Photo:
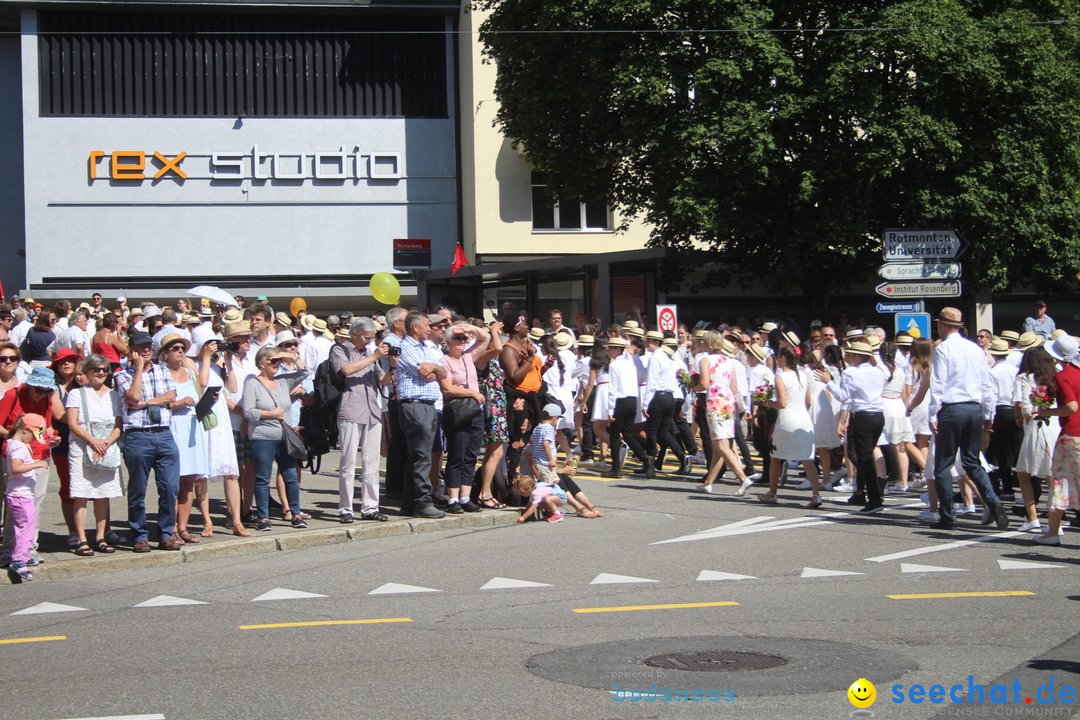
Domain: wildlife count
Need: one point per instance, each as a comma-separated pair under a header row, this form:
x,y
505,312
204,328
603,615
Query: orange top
x,y
532,381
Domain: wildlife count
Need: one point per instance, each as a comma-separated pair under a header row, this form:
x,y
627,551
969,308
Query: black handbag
x,y
459,412
293,442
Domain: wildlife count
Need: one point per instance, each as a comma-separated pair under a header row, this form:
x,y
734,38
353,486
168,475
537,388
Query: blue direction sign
x,y
917,325
897,307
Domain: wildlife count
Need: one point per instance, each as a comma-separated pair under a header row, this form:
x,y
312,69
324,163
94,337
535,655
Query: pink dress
x,y
720,399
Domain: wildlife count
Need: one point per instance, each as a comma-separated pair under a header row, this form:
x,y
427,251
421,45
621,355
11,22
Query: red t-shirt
x,y
1068,382
14,404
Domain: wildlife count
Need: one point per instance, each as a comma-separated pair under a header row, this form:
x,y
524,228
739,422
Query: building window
x,y
129,64
552,213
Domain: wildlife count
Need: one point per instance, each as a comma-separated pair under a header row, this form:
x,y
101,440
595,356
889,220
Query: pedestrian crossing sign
x,y
917,325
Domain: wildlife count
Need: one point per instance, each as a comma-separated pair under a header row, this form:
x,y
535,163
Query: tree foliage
x,y
786,135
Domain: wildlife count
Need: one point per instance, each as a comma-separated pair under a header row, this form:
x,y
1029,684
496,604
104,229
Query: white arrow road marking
x,y
755,525
913,568
47,607
399,589
285,594
1025,565
609,579
715,575
155,716
809,572
944,546
165,600
501,583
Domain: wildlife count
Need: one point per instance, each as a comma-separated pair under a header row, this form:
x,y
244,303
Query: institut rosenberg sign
x,y
258,164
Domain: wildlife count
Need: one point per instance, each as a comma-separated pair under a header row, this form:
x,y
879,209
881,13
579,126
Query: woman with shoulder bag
x,y
266,400
188,434
463,413
95,417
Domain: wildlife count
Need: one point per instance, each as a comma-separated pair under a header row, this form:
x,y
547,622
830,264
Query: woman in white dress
x,y
793,434
824,414
1040,433
898,432
716,375
188,434
596,391
91,412
220,446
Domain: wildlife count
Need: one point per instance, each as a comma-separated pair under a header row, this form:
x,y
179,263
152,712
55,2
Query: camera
x,y
393,351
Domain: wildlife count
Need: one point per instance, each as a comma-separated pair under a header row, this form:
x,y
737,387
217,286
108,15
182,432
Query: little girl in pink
x,y
19,493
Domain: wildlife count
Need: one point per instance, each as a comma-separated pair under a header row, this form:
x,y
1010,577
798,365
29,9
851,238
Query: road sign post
x,y
919,271
917,325
930,288
920,245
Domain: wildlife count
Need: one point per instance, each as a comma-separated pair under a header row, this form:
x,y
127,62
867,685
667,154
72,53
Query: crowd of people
x,y
475,415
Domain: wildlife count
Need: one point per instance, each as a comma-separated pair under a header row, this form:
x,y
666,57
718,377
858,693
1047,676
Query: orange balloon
x,y
297,306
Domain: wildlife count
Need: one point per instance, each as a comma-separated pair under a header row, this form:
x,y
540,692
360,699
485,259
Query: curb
x,y
239,547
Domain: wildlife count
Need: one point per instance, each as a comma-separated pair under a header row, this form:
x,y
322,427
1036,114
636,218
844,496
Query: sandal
x,y
187,537
814,504
208,529
104,547
83,549
240,531
491,503
376,516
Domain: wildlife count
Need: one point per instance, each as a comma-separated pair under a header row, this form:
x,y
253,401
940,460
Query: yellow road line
x,y
43,638
932,596
669,606
322,623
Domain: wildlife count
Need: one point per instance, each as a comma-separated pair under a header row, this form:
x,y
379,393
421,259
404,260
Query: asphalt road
x,y
560,648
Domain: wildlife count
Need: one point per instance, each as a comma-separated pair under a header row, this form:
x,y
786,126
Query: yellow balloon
x,y
385,288
297,305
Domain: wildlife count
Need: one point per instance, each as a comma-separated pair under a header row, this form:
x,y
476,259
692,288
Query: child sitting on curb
x,y
540,455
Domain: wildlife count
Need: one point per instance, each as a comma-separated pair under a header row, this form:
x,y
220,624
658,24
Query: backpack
x,y
329,385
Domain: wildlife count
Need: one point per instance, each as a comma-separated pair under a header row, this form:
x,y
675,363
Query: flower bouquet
x,y
1041,397
686,380
762,394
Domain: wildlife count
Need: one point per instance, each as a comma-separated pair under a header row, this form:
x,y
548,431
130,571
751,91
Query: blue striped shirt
x,y
157,380
407,379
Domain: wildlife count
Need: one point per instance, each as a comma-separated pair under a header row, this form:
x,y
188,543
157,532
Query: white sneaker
x,y
804,485
698,458
1031,526
925,499
1047,539
704,488
928,516
844,487
966,510
918,482
754,477
744,487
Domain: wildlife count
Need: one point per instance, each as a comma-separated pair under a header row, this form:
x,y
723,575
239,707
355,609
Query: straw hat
x,y
698,334
283,319
237,327
853,334
135,312
232,315
343,333
1010,335
320,326
950,316
904,340
758,352
1053,336
284,336
655,335
536,333
768,327
860,347
308,322
670,351
617,342
563,340
728,348
791,338
634,331
999,347
671,342
1030,340
172,339
186,319
874,342
586,341
631,324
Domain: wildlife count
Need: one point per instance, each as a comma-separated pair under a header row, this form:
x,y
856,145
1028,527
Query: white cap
x,y
553,410
284,336
121,299
151,311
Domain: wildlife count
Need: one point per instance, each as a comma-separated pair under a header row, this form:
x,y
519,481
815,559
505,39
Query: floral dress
x,y
491,385
720,400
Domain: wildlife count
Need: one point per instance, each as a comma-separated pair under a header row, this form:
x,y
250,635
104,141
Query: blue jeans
x,y
143,452
264,453
960,428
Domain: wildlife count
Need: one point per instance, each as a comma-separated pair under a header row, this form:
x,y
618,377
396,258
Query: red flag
x,y
460,260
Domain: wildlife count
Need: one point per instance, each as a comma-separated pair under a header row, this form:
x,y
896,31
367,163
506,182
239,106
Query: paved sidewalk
x,y
318,496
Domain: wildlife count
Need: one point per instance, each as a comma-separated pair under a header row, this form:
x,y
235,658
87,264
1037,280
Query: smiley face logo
x,y
862,693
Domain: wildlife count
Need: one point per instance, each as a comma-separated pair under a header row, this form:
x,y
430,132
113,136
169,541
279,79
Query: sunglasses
x,y
173,348
97,371
43,391
9,358
274,361
286,346
458,338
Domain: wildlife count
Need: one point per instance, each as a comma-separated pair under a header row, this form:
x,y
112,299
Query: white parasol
x,y
213,294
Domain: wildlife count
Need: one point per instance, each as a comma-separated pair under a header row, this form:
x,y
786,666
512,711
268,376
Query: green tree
x,y
785,136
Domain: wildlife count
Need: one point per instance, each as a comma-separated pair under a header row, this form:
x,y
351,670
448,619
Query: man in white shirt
x,y
318,349
75,337
622,406
1006,435
661,386
556,325
961,407
21,326
170,325
259,317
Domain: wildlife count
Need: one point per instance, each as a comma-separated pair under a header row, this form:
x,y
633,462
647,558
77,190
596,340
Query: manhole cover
x,y
715,661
